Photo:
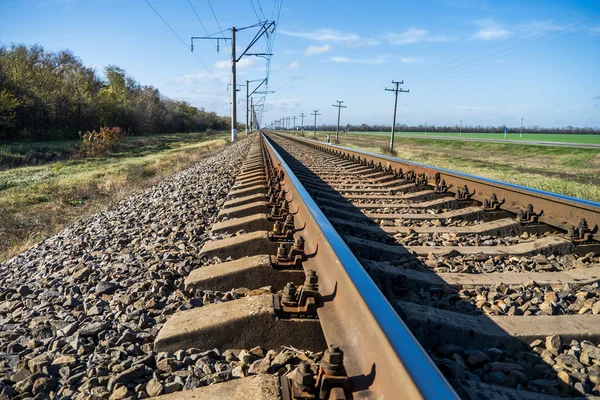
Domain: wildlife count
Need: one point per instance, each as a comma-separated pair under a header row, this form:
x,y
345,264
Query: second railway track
x,y
418,283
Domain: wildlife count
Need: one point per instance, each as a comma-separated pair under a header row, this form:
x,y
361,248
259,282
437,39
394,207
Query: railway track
x,y
414,282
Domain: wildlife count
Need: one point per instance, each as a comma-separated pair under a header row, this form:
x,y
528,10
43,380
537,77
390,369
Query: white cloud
x,y
312,50
346,60
490,30
409,60
330,35
243,63
294,65
415,35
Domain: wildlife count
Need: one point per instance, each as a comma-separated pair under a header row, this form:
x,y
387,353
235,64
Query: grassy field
x,y
570,171
39,200
587,139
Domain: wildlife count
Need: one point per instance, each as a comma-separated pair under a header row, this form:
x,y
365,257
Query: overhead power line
x,y
491,47
502,59
483,59
203,27
181,40
217,21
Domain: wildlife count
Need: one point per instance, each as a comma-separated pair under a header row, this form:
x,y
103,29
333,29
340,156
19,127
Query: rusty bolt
x,y
303,378
277,226
289,293
283,251
334,355
299,243
311,282
289,219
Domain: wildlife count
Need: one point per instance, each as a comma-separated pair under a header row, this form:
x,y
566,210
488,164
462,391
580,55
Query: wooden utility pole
x,y
302,116
315,113
396,91
337,131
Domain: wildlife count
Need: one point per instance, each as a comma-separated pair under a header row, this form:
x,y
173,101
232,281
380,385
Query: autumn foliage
x,y
97,143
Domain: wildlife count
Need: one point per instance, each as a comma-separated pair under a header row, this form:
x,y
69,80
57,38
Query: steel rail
x,y
382,357
559,210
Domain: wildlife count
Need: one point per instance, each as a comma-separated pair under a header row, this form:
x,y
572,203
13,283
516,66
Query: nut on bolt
x,y
333,360
311,281
303,378
289,293
299,243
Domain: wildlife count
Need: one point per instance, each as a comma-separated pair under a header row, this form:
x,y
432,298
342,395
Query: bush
x,y
97,143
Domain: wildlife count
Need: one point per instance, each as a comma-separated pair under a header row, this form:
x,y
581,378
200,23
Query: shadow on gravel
x,y
470,349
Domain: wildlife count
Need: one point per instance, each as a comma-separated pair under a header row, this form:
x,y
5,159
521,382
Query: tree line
x,y
456,128
52,96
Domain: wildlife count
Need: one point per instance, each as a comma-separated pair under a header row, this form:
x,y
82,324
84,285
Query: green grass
x,y
570,171
585,139
38,200
18,154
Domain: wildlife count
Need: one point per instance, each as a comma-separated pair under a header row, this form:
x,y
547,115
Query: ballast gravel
x,y
79,312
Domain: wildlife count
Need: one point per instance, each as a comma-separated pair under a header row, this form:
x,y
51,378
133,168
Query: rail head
x,y
384,359
559,210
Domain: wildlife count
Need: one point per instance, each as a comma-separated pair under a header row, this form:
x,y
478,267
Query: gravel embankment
x,y
80,311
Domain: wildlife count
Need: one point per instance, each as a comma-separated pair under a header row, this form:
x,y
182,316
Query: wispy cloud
x,y
312,50
243,63
330,35
595,30
536,26
596,98
415,35
347,60
202,77
294,65
410,60
468,108
489,30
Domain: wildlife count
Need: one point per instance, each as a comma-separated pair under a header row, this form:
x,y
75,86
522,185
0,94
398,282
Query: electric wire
x,y
182,41
499,52
492,46
219,25
205,31
509,54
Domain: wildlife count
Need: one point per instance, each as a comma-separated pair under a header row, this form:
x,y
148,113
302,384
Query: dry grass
x,y
39,201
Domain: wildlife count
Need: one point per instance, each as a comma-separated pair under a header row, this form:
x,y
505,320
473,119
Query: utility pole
x,y
233,87
337,132
521,134
251,116
425,128
247,107
294,118
315,113
266,27
460,132
396,91
302,116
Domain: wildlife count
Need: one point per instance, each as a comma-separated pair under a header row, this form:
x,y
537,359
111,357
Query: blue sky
x,y
482,62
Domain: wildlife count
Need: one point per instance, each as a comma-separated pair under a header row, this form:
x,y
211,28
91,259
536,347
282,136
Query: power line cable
x,y
182,41
499,52
492,46
447,79
219,25
203,27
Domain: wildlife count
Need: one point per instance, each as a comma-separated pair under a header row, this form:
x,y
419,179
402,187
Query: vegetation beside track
x,y
532,137
570,171
37,201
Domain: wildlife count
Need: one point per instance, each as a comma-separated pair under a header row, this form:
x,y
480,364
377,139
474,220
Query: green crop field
x,y
538,137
